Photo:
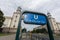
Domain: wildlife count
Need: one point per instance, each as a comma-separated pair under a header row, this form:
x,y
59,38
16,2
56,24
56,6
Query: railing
x,y
38,37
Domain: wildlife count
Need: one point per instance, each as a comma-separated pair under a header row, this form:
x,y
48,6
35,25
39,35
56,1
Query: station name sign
x,y
34,18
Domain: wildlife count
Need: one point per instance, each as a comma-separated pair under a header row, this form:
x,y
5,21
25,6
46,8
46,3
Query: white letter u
x,y
35,16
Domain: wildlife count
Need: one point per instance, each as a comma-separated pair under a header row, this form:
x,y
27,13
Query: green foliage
x,y
43,30
1,20
24,30
1,13
4,34
34,31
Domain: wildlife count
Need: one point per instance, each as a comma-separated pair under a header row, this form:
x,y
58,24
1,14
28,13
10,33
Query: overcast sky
x,y
44,6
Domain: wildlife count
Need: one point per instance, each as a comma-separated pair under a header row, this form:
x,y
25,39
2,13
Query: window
x,y
14,26
15,20
16,16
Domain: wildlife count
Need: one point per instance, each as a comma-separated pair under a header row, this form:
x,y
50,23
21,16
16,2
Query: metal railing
x,y
38,37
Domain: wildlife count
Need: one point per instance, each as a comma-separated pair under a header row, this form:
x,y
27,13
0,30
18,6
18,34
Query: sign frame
x,y
19,26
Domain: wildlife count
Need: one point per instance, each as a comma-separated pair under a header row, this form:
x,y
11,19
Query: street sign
x,y
34,18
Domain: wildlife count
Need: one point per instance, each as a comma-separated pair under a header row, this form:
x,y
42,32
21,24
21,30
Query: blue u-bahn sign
x,y
34,18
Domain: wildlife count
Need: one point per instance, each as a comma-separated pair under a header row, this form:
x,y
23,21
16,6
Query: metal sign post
x,y
49,30
43,17
19,28
38,20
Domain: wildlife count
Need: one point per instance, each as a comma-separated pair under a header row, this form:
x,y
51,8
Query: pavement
x,y
9,37
12,37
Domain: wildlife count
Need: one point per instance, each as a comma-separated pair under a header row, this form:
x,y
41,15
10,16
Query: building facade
x,y
11,23
54,25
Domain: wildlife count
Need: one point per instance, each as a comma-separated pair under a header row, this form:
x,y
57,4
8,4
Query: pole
x,y
19,28
49,30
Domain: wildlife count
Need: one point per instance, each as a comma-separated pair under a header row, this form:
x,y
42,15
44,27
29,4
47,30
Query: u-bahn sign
x,y
34,18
